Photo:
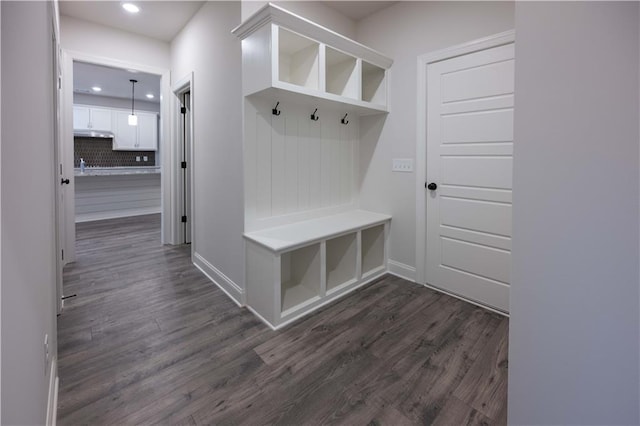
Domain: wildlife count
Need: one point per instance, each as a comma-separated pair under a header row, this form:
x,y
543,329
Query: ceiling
x,y
157,19
358,10
114,82
163,20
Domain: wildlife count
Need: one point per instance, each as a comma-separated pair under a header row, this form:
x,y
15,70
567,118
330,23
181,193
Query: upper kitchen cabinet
x,y
143,137
287,57
92,118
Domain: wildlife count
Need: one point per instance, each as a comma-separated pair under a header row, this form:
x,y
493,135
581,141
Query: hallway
x,y
149,339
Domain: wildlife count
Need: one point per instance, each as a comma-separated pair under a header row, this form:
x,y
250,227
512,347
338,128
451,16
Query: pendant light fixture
x,y
133,118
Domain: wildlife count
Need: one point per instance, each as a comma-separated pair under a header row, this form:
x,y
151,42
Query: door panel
x,y
475,127
476,170
470,158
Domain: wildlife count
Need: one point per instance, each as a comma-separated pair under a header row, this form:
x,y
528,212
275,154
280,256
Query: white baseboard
x,y
401,270
116,214
221,280
52,399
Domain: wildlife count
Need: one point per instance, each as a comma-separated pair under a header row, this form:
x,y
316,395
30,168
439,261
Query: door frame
x,y
169,166
421,133
181,86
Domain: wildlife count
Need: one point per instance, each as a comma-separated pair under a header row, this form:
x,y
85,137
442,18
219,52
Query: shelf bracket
x,y
314,117
275,111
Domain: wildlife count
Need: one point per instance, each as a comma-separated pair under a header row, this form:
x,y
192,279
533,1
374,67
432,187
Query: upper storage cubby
x,y
298,60
341,74
286,57
374,84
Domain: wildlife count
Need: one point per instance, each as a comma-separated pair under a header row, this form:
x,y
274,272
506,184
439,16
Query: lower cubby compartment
x,y
372,240
300,276
341,261
293,270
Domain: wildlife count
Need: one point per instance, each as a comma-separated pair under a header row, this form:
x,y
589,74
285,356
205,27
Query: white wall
x,y
97,40
403,32
207,47
28,256
573,346
313,10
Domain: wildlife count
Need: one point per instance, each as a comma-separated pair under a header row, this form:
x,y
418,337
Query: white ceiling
x,y
358,10
157,19
114,82
164,19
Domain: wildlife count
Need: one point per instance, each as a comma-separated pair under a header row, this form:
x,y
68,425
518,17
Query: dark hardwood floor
x,y
150,340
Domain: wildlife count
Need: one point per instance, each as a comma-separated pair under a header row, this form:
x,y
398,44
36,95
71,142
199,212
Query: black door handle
x,y
64,181
432,186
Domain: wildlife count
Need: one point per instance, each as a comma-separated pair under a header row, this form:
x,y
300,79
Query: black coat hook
x,y
344,119
314,117
275,111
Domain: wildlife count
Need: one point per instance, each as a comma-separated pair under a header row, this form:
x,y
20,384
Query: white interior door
x,y
469,169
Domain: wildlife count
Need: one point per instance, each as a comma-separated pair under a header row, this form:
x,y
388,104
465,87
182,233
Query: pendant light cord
x,y
133,85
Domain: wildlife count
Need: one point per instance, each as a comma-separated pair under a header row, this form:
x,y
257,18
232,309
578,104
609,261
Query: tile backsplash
x,y
98,152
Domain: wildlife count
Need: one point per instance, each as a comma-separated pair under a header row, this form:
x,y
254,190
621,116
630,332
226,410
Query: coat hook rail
x,y
314,117
344,119
275,111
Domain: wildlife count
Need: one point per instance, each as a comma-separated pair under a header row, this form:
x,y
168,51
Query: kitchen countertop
x,y
116,171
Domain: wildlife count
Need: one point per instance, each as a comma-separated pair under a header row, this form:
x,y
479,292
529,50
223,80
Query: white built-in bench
x,y
294,269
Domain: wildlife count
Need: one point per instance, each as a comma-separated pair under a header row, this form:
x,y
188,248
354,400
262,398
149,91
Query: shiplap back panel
x,y
106,197
297,168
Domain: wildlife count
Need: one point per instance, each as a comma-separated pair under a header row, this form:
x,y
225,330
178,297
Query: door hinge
x,y
62,254
183,110
425,185
184,219
183,164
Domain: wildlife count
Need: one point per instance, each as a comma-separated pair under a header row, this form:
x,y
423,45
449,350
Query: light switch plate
x,y
402,165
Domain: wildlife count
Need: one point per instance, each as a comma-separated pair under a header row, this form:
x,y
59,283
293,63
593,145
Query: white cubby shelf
x,y
286,57
292,270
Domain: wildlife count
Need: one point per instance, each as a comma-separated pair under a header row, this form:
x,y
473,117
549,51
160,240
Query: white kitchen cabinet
x,y
92,118
147,132
143,137
125,136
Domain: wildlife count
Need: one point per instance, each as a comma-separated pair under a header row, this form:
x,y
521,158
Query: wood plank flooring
x,y
150,340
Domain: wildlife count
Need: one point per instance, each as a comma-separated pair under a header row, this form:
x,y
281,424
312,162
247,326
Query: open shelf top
x,y
272,13
297,234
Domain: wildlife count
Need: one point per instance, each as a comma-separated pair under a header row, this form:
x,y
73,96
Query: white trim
x,y
464,299
169,166
421,134
185,84
52,399
402,270
221,280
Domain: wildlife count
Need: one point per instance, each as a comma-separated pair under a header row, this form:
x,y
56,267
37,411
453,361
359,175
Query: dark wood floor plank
x,y
456,412
150,340
484,387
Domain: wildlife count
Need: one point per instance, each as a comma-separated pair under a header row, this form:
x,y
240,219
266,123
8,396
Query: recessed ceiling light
x,y
96,89
150,95
130,7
